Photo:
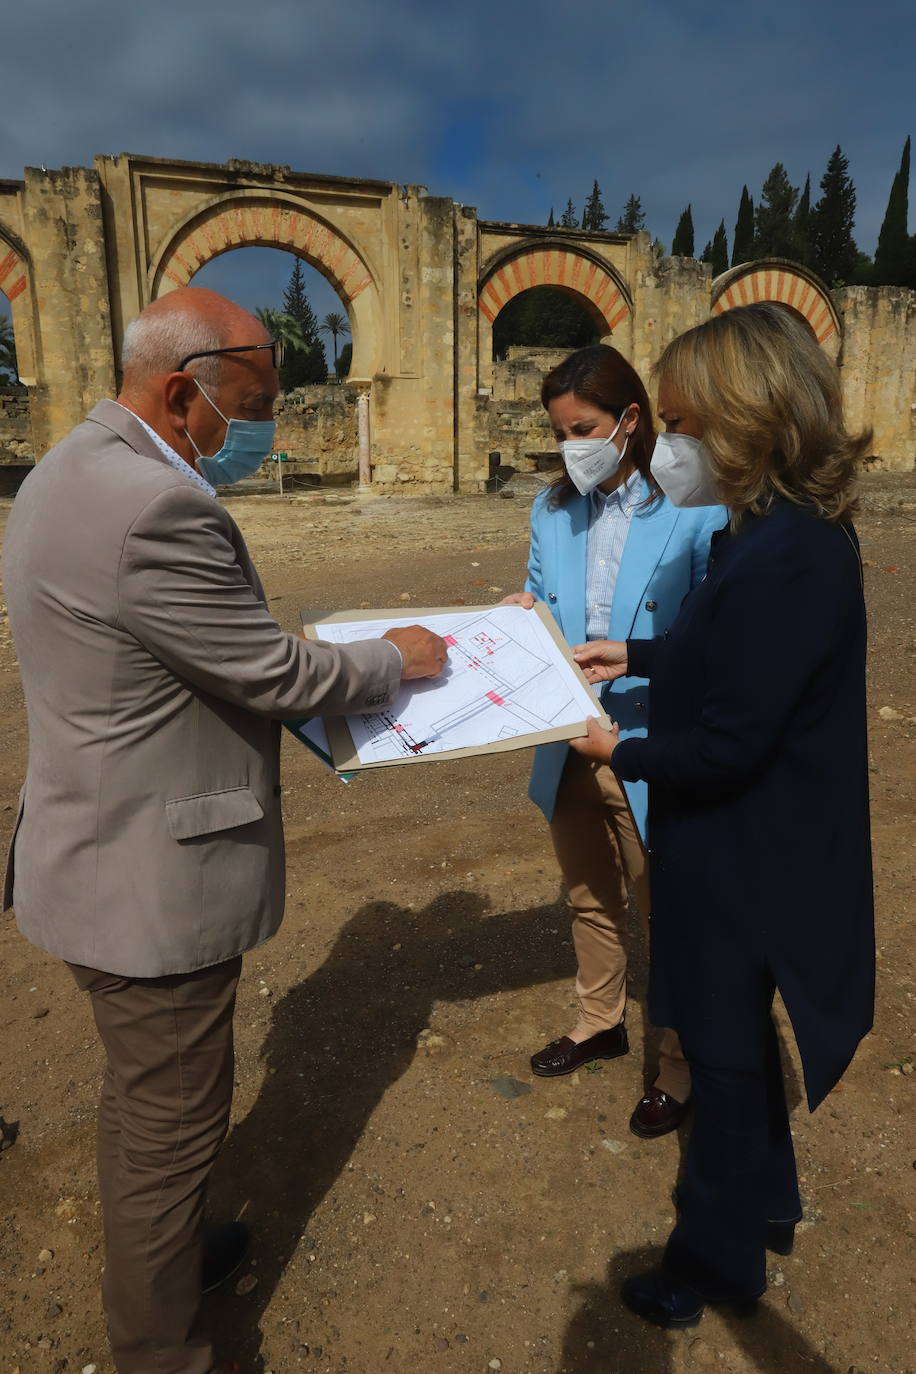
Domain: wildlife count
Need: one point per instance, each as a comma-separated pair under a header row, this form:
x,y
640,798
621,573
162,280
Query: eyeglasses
x,y
275,346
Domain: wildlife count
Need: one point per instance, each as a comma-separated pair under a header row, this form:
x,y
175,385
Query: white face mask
x,y
680,466
589,462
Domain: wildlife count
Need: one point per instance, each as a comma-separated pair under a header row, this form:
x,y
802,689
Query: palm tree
x,y
8,349
283,327
334,323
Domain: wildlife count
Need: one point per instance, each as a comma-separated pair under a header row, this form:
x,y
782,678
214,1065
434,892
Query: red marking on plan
x,y
496,700
450,640
398,729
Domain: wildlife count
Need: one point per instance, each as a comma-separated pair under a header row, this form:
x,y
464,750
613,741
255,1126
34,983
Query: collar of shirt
x,y
174,459
626,496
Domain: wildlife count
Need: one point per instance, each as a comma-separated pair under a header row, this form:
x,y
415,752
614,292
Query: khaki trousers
x,y
602,859
163,1115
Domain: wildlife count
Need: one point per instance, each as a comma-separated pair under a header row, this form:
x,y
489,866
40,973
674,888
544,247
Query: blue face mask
x,y
246,445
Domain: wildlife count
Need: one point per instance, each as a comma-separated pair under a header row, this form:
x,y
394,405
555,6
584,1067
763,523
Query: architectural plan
x,y
510,682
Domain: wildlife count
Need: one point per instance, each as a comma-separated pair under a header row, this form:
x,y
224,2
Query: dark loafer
x,y
656,1114
664,1300
564,1055
658,1298
225,1246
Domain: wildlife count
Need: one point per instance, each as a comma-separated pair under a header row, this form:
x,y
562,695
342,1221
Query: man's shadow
x,y
603,1335
337,1042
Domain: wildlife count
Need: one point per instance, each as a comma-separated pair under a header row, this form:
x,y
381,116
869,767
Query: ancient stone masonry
x,y
82,250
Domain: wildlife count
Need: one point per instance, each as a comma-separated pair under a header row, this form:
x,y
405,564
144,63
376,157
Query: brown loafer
x,y
656,1114
564,1055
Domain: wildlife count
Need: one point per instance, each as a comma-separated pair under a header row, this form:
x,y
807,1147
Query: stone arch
x,y
559,265
790,284
16,285
247,218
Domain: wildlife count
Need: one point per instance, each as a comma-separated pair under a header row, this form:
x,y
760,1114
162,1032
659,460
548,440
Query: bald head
x,y
240,385
189,320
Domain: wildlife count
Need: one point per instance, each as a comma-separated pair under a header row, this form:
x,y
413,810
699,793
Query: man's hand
x,y
424,654
518,599
599,744
602,660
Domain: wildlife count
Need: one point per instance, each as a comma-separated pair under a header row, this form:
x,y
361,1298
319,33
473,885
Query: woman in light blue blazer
x,y
613,559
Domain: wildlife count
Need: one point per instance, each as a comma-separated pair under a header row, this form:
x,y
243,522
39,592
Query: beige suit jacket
x,y
149,838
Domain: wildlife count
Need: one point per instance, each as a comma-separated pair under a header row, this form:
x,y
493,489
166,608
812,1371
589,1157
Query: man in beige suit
x,y
148,850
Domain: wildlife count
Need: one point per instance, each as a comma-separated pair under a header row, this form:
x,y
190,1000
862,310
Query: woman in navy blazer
x,y
610,557
758,785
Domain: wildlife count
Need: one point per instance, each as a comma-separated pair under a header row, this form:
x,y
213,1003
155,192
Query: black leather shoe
x,y
656,1114
564,1055
225,1246
659,1298
666,1301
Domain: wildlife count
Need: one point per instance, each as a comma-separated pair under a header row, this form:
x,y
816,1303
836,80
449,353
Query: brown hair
x,y
604,378
770,404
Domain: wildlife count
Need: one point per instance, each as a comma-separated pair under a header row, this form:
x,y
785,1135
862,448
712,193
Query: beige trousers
x,y
603,860
162,1118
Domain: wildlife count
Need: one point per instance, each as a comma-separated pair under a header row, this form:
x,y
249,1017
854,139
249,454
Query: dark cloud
x,y
511,107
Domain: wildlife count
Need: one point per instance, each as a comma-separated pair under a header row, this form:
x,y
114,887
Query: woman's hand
x,y
518,599
599,744
602,660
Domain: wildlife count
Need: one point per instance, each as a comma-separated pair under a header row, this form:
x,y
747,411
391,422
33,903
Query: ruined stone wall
x,y
316,429
878,369
15,427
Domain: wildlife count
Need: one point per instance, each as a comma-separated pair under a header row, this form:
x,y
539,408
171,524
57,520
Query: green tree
x,y
682,247
743,242
716,251
543,317
774,228
343,362
551,222
834,252
568,218
802,225
305,365
894,254
632,219
594,216
283,327
8,349
334,323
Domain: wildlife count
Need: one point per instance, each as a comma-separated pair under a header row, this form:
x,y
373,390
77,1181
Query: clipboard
x,y
343,751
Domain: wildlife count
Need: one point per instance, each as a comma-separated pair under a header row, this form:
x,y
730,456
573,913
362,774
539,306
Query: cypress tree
x,y
633,219
719,257
773,223
682,247
300,367
894,254
568,218
803,227
550,219
594,216
834,250
743,242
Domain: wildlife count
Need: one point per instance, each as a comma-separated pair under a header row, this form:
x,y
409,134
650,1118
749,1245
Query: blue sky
x,y
511,107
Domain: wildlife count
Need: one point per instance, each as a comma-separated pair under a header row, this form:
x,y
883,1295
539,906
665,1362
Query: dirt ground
x,y
407,1215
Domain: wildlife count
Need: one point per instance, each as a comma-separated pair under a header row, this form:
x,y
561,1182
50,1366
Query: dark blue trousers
x,y
740,1164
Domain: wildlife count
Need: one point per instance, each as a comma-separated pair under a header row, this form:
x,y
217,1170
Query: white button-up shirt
x,y
174,459
608,526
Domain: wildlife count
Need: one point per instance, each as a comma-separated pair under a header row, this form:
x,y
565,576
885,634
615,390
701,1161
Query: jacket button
x,y
551,596
278,790
651,605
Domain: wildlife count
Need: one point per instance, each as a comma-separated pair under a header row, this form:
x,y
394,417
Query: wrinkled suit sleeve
x,y
184,596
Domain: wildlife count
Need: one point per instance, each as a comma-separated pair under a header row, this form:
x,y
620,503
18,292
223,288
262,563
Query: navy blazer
x,y
758,786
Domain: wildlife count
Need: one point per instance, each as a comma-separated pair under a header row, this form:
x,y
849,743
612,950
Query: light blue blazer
x,y
664,556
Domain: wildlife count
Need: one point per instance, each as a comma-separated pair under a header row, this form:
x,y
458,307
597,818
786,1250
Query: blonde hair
x,y
770,404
